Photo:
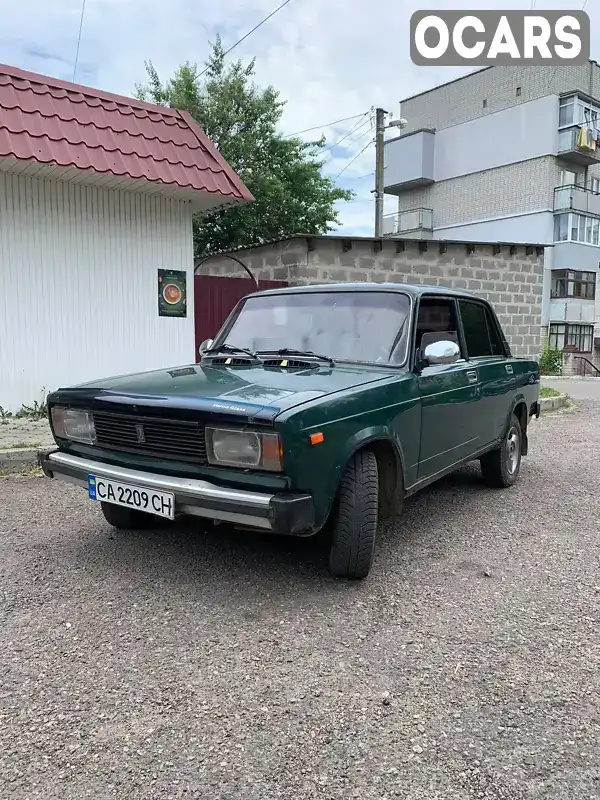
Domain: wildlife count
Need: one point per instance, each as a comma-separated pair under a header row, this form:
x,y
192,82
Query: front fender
x,y
360,440
368,436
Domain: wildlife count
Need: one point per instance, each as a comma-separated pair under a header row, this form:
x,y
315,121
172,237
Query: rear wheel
x,y
355,518
126,519
502,466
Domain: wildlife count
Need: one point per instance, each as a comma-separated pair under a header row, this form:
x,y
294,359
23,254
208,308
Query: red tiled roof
x,y
58,123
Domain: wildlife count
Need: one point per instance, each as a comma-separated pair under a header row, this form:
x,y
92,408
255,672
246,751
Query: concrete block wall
x,y
463,99
512,282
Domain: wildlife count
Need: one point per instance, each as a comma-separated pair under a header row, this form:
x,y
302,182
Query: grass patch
x,y
546,391
32,472
23,445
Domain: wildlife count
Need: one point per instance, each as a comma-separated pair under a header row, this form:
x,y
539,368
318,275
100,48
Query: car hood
x,y
250,392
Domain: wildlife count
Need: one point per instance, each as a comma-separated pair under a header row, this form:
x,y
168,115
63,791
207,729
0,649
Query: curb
x,y
552,403
570,378
21,459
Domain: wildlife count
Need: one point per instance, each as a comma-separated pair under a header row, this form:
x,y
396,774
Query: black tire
x,y
501,467
126,519
355,519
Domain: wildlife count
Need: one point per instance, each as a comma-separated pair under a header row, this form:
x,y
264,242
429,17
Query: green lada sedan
x,y
315,409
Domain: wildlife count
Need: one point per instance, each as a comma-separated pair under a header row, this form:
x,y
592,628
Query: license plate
x,y
139,498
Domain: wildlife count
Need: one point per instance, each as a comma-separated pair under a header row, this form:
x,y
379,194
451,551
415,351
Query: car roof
x,y
406,288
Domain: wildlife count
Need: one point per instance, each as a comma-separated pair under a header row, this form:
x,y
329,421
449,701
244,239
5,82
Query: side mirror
x,y
443,352
206,345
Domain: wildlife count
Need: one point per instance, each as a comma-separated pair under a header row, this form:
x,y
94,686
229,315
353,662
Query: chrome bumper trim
x,y
192,496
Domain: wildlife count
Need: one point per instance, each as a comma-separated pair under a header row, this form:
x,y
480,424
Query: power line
x,y
359,124
78,40
255,28
349,164
361,201
325,125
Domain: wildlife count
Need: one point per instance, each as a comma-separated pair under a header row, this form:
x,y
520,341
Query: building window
x,y
484,103
561,227
595,185
568,178
575,111
518,91
569,283
571,338
565,112
576,228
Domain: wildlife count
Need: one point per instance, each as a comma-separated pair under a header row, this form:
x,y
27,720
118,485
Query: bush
x,y
551,361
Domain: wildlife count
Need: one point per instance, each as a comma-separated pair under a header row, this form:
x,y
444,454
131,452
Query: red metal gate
x,y
215,297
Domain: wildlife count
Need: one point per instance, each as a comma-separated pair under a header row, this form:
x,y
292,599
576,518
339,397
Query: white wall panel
x,y
515,134
78,269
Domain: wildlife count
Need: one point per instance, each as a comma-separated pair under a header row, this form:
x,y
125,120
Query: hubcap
x,y
513,450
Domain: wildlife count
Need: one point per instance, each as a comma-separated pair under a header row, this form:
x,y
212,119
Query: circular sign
x,y
171,294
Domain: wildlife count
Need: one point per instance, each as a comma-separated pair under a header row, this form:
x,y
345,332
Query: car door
x,y
486,352
449,394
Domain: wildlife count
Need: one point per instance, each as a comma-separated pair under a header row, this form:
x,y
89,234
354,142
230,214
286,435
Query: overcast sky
x,y
329,58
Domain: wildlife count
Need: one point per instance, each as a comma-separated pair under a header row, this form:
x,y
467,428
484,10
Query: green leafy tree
x,y
284,174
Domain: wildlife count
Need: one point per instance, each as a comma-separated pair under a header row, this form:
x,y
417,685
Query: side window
x,y
436,321
495,340
481,336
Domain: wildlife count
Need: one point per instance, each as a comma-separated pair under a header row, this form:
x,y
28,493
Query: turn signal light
x,y
317,438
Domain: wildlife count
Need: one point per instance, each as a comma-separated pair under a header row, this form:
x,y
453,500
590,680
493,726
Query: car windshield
x,y
366,326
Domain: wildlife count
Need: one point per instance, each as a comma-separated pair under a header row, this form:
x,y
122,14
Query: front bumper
x,y
283,513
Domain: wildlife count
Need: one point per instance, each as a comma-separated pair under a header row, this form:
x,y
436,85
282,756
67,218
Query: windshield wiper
x,y
231,348
289,351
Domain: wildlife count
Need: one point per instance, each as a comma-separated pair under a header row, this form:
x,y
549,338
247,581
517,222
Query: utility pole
x,y
380,128
379,167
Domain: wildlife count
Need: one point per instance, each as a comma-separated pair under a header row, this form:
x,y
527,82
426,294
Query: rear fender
x,y
523,417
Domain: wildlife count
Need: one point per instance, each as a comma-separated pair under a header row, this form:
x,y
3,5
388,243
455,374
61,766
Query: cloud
x,y
328,59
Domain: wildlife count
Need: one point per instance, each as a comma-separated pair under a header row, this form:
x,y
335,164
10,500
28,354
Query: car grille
x,y
176,440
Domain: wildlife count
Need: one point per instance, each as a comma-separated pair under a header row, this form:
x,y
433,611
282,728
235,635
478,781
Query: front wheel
x,y
127,519
355,518
502,466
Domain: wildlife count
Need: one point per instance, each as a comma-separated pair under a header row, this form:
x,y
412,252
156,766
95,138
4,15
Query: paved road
x,y
210,665
588,389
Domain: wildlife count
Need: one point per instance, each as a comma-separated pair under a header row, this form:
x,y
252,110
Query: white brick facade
x,y
463,99
504,190
514,189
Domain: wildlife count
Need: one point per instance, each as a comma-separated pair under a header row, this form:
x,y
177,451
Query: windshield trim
x,y
235,312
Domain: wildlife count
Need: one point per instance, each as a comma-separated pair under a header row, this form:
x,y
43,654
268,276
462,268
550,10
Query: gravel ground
x,y
210,664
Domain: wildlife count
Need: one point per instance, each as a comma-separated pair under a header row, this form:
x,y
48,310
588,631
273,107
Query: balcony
x,y
415,223
576,198
572,296
408,161
569,149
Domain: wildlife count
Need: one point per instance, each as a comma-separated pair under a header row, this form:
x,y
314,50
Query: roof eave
x,y
244,193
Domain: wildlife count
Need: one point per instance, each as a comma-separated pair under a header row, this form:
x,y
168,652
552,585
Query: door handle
x,y
472,376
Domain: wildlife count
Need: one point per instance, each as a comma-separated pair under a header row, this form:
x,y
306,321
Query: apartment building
x,y
512,154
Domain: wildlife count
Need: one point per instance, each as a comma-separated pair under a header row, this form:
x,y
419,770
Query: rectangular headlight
x,y
73,424
230,447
